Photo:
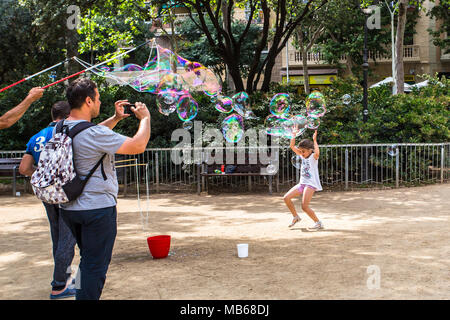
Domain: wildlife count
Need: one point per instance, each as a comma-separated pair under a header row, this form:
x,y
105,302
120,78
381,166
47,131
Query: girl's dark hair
x,y
306,144
79,90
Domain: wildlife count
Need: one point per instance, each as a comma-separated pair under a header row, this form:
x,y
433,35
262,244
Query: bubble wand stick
x,y
95,66
36,74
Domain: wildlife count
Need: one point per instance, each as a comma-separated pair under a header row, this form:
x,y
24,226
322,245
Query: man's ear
x,y
88,100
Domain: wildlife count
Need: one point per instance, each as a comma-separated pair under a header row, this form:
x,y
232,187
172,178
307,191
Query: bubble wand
x,y
95,66
36,74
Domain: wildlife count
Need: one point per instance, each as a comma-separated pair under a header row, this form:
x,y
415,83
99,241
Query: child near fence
x,y
309,180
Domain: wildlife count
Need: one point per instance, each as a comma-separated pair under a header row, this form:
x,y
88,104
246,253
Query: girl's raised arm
x,y
316,146
292,145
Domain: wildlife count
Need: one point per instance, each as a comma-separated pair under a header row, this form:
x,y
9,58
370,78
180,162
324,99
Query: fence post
x,y
346,168
199,182
442,164
157,170
397,167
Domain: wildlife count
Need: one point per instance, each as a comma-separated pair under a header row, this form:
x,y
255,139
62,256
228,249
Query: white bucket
x,y
242,250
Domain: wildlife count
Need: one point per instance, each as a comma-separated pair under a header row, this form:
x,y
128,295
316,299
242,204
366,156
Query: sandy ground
x,y
403,233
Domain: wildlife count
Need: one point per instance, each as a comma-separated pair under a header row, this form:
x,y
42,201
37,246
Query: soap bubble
x,y
288,128
166,102
224,104
346,98
276,125
392,150
233,128
211,86
241,102
271,169
299,122
250,115
315,105
170,81
169,96
187,125
280,104
312,122
187,108
296,161
195,77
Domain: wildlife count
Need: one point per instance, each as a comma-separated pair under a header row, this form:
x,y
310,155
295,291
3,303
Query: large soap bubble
x,y
315,105
233,128
276,125
280,104
224,104
299,123
187,108
167,102
312,122
240,103
296,161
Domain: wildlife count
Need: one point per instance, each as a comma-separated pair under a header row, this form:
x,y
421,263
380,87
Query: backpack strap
x,y
79,127
76,130
95,168
60,126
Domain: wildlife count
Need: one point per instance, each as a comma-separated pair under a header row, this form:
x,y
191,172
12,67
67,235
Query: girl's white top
x,y
310,172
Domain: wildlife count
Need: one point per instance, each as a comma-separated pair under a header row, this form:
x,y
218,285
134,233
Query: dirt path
x,y
403,233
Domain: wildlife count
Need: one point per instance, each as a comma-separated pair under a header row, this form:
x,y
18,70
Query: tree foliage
x,y
441,11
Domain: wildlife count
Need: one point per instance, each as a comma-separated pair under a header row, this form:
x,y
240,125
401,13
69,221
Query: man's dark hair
x,y
79,90
60,110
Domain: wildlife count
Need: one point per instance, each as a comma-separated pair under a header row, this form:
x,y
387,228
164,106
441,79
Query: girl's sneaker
x,y
317,226
294,221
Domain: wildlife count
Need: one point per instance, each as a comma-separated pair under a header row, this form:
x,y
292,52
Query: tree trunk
x,y
228,78
268,70
349,64
399,77
305,69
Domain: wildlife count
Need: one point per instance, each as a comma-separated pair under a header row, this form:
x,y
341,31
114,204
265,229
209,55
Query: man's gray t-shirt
x,y
88,147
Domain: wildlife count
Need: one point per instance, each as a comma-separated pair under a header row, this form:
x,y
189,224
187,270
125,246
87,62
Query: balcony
x,y
314,58
445,57
410,53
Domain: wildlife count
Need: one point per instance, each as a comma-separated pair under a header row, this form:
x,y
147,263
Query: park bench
x,y
240,170
9,168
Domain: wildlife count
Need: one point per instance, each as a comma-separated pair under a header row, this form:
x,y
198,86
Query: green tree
x,y
441,11
280,18
196,47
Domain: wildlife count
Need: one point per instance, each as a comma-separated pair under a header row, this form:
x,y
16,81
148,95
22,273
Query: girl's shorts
x,y
302,187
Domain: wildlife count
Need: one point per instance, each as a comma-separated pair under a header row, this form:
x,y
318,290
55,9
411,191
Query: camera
x,y
127,109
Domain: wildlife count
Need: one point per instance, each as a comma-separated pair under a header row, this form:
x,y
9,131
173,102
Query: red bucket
x,y
159,246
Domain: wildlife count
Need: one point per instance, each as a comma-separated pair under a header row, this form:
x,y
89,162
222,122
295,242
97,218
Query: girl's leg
x,y
307,196
293,193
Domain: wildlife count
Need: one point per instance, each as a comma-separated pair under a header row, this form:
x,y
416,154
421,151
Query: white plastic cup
x,y
242,250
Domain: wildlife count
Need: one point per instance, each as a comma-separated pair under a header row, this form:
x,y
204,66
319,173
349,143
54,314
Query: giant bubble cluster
x,y
173,79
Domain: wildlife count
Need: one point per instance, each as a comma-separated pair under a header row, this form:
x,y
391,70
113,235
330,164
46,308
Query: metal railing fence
x,y
341,167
